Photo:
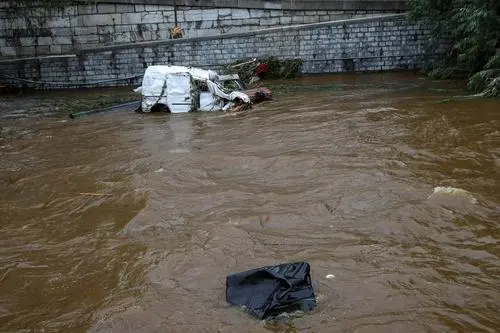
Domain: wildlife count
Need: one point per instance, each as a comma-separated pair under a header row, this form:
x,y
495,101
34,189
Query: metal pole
x,y
175,12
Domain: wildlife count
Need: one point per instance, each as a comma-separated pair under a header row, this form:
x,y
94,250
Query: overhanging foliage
x,y
474,28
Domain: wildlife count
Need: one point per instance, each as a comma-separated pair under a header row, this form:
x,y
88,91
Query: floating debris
x,y
269,291
453,191
251,71
95,194
455,199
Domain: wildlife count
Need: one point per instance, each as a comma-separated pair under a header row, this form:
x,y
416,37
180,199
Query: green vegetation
x,y
474,29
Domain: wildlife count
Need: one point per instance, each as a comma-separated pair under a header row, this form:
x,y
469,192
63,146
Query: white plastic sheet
x,y
214,89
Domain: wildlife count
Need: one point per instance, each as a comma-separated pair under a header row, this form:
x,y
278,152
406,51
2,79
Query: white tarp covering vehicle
x,y
183,89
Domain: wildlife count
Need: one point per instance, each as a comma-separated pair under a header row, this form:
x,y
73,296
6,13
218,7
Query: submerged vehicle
x,y
178,89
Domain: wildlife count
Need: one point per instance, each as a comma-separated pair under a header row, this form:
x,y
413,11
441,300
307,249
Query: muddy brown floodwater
x,y
123,222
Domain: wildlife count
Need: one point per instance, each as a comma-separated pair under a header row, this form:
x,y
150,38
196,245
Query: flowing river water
x,y
126,222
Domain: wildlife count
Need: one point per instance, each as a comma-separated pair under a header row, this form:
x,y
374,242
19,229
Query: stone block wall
x,y
368,44
36,31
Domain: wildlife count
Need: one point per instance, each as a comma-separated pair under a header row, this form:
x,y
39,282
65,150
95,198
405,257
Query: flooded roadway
x,y
123,222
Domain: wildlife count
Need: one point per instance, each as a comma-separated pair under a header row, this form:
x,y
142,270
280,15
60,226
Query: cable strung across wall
x,y
50,83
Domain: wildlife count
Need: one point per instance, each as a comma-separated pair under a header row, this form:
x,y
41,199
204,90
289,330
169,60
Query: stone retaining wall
x,y
369,44
26,32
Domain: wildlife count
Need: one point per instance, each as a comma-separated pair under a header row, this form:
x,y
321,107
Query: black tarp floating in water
x,y
268,291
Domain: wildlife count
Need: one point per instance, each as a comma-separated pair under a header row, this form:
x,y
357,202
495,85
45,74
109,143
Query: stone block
x,y
252,21
311,19
270,21
42,50
147,35
87,9
76,21
163,26
168,7
61,32
17,23
224,12
259,13
164,34
69,11
102,19
106,8
85,31
210,14
180,17
123,28
86,39
131,18
272,5
125,8
123,38
55,49
238,13
139,8
44,41
151,8
62,40
285,20
152,17
169,16
60,22
206,24
193,15
27,41
222,24
238,29
27,51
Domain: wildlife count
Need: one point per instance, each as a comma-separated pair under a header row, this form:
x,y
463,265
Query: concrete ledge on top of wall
x,y
379,5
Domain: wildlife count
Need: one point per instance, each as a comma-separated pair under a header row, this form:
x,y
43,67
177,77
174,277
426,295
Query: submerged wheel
x,y
160,108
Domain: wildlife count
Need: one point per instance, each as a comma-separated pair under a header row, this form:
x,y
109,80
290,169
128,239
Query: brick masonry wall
x,y
369,44
37,31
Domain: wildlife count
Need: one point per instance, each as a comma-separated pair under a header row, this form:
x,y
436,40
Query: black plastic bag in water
x,y
268,291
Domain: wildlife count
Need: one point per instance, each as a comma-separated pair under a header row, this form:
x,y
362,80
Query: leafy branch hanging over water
x,y
474,29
